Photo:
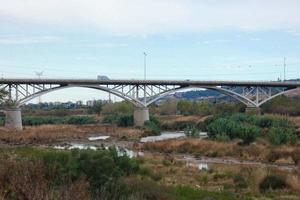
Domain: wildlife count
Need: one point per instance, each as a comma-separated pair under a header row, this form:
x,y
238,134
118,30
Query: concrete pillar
x,y
140,115
253,110
13,120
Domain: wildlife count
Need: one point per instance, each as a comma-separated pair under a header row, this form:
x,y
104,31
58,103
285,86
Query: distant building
x,y
91,103
79,103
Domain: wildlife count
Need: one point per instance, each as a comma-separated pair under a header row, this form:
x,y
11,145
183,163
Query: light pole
x,y
284,69
39,75
145,64
145,68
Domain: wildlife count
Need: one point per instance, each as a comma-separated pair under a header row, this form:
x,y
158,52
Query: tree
x,y
97,108
3,95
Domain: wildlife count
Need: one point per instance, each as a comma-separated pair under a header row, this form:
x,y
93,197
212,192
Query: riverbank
x,y
226,167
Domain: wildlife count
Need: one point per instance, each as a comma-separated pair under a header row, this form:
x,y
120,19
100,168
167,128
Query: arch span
x,y
128,98
235,95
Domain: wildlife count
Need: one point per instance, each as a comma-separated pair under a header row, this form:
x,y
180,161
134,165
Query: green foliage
x,y
123,120
40,120
249,127
168,107
103,169
203,108
222,137
123,107
283,105
3,94
240,182
96,109
228,108
192,132
272,182
180,125
278,136
79,120
152,127
188,193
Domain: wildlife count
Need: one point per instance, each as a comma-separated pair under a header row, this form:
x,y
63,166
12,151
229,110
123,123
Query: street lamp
x,y
145,94
145,64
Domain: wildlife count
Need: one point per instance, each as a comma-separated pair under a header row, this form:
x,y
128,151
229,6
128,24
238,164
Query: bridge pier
x,y
13,119
253,110
140,115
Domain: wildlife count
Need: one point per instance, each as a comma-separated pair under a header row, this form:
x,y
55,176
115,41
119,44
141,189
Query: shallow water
x,y
121,150
163,136
101,137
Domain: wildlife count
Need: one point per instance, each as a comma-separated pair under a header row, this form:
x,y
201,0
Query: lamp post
x,y
284,69
145,64
145,68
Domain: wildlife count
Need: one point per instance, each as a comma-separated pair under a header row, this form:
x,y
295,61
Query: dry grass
x,y
219,177
22,180
191,146
258,151
180,118
46,134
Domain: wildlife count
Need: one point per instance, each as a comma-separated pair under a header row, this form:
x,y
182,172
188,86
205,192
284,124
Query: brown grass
x,y
259,152
180,118
218,175
25,179
46,134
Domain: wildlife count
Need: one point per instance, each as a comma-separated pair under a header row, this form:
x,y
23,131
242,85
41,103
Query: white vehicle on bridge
x,y
102,78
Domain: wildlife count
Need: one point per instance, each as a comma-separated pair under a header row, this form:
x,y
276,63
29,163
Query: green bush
x,y
278,136
272,182
151,128
80,120
249,127
103,169
123,120
222,137
283,105
240,182
192,131
40,120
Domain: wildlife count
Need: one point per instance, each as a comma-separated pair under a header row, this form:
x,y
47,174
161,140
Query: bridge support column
x,y
140,115
13,119
253,110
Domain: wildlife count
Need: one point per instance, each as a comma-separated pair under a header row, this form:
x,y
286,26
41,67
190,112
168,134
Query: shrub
x,y
272,182
192,131
222,137
80,120
278,136
36,170
240,182
40,120
123,120
152,128
248,128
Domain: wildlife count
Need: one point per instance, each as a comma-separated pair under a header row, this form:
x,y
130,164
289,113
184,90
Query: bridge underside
x,y
140,95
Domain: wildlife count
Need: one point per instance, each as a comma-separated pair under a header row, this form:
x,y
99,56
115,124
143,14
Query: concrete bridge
x,y
141,93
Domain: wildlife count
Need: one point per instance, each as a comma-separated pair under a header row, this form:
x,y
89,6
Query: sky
x,y
183,39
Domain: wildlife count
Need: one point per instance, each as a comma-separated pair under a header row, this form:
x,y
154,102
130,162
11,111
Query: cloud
x,y
107,45
28,40
216,41
154,16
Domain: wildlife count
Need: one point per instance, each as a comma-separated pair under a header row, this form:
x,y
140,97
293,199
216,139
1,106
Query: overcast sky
x,y
184,39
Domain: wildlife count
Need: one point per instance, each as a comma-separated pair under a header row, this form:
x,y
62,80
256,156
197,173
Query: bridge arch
x,y
128,98
235,95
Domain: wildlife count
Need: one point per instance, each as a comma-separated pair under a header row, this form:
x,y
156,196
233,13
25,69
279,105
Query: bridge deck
x,y
150,82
